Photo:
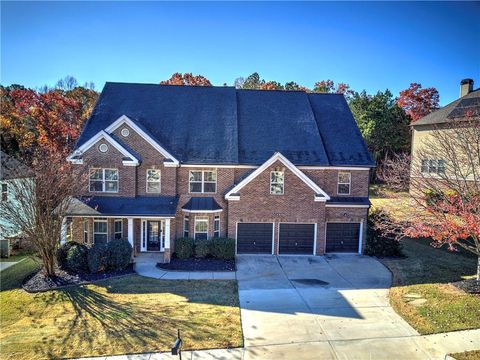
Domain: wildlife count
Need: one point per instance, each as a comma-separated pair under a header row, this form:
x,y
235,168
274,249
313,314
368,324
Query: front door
x,y
152,235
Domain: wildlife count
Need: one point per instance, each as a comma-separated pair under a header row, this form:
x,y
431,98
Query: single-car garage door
x,y
296,238
343,237
254,238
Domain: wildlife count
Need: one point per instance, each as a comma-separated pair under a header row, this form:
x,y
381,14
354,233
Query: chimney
x,y
466,87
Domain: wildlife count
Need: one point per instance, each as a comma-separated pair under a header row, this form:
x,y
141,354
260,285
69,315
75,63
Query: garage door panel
x,y
254,238
343,237
296,238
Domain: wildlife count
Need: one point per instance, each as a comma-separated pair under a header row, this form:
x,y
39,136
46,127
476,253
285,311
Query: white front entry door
x,y
153,235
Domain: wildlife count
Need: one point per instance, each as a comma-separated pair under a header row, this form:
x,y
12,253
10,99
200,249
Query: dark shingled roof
x,y
468,105
354,200
11,168
130,206
202,204
224,125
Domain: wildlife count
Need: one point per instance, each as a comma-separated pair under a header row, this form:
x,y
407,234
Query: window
x,y
118,229
125,132
344,181
201,228
186,226
216,227
69,229
433,166
103,148
100,231
203,181
85,231
276,182
103,180
153,181
4,192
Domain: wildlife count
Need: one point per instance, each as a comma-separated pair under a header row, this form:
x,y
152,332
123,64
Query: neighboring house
x,y
429,159
12,171
282,172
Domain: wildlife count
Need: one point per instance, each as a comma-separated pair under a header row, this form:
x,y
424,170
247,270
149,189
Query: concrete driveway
x,y
332,307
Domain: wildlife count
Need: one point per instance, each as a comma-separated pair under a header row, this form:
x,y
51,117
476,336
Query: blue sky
x,y
370,46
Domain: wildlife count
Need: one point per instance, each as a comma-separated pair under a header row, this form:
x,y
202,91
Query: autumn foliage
x,y
418,102
187,79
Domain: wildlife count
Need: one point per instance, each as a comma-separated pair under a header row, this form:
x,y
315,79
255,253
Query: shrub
x,y
72,256
97,258
203,248
223,248
184,248
381,241
119,254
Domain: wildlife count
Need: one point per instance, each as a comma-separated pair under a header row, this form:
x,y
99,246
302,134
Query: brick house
x,y
281,172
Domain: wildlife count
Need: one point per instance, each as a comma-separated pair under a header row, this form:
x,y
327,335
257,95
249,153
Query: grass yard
x,y
468,355
130,314
422,294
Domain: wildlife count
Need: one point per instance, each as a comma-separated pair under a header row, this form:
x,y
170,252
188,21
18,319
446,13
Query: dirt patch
x,y
194,264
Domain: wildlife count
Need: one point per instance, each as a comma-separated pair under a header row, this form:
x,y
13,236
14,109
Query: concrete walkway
x,y
145,265
6,264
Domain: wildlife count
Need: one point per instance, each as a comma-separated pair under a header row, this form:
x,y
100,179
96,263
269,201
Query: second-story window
x,y
153,181
203,181
344,183
277,182
103,180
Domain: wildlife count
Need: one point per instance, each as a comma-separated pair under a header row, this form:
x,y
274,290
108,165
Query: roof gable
x,y
319,194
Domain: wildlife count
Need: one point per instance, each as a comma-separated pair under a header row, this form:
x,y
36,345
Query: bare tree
x,y
37,202
395,172
67,83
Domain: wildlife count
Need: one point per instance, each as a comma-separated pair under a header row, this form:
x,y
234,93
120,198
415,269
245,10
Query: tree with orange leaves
x,y
187,79
418,102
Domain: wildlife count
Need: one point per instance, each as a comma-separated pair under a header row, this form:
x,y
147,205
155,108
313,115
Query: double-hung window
x,y
277,182
201,228
203,181
216,227
153,181
186,226
85,231
69,229
118,229
433,166
344,183
103,180
100,231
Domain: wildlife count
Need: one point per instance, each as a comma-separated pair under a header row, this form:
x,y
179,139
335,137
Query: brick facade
x,y
256,204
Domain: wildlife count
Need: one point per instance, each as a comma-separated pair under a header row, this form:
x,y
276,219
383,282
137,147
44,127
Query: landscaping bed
x,y
194,264
38,282
471,286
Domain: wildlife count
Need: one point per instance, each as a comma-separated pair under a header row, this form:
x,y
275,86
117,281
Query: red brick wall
x,y
328,181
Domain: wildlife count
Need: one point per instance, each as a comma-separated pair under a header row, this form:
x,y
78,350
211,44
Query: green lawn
x,y
130,314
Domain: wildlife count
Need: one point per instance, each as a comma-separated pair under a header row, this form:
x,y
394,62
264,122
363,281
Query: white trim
x,y
99,215
186,217
273,238
347,168
166,234
219,225
360,240
277,157
144,229
99,219
301,167
219,166
130,231
282,183
159,181
347,206
202,211
202,181
103,180
126,120
349,182
200,219
299,223
105,136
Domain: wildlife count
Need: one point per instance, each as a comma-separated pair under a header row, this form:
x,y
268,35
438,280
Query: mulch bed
x,y
471,286
194,264
38,282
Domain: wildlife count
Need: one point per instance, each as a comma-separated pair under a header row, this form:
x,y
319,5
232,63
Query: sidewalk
x,y
433,347
147,267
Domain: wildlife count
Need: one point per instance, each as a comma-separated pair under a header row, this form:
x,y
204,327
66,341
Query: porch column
x,y
167,234
130,231
63,233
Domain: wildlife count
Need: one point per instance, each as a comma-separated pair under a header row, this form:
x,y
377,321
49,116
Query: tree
x,y
67,83
418,102
272,85
37,204
395,172
328,86
253,82
383,124
187,79
291,85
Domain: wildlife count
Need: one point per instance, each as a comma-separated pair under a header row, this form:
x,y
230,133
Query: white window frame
x,y
115,232
154,182
197,220
344,183
432,166
103,180
276,182
216,220
69,233
186,226
202,182
85,231
99,220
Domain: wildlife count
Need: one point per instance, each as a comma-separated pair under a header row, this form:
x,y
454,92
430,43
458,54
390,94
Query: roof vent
x,y
466,87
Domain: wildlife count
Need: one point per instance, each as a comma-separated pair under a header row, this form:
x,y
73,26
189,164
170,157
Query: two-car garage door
x,y
257,238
